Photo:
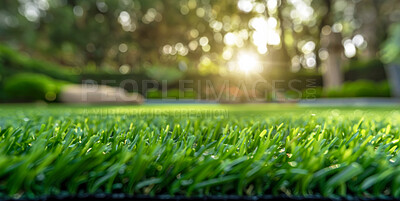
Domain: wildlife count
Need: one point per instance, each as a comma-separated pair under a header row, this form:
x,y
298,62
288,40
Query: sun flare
x,y
248,62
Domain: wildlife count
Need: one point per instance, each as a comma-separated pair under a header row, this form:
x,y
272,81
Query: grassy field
x,y
199,150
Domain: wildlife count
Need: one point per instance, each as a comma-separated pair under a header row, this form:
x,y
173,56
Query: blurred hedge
x,y
171,94
13,62
26,87
372,69
359,88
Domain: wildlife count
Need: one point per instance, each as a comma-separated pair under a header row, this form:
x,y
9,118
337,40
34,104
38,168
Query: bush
x,y
172,93
311,93
32,87
373,70
360,88
165,73
13,62
154,94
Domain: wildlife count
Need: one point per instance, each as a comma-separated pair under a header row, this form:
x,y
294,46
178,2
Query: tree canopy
x,y
195,35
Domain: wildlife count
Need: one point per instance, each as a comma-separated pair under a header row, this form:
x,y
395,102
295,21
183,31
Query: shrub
x,y
360,88
372,69
13,62
172,93
165,73
311,93
32,87
154,94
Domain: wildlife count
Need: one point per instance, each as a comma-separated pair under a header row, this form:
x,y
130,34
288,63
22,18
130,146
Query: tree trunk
x,y
367,13
333,76
332,42
393,73
285,58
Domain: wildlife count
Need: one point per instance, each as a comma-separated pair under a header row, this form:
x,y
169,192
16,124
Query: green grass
x,y
199,150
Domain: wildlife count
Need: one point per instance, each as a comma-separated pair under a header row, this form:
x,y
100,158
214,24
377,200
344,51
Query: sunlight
x,y
248,62
230,39
264,33
245,5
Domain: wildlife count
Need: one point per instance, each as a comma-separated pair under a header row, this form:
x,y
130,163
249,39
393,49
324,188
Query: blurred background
x,y
307,48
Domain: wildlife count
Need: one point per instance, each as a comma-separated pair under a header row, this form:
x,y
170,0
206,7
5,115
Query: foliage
x,y
143,26
32,87
363,64
361,88
371,69
311,93
199,150
12,62
391,48
171,94
79,33
165,74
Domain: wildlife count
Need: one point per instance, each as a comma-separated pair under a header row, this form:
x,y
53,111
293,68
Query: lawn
x,y
197,150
